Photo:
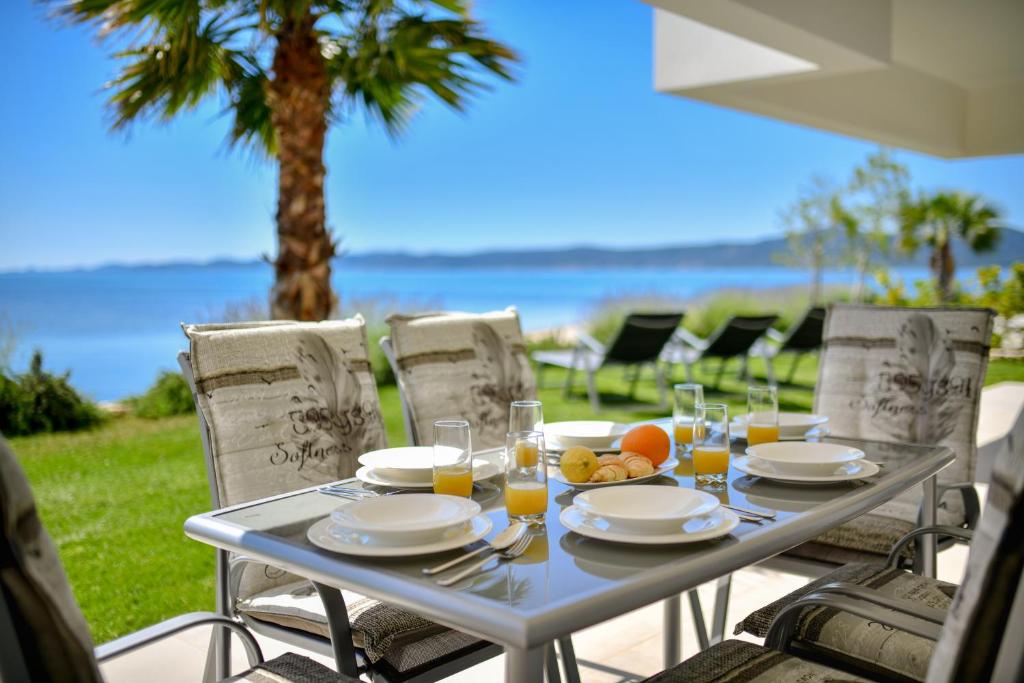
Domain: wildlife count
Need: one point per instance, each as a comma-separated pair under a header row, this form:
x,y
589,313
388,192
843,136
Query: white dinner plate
x,y
646,509
482,469
356,544
665,468
589,433
791,425
715,525
850,471
406,463
405,519
738,430
802,458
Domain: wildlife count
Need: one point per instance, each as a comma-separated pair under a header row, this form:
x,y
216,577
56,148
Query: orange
x,y
648,440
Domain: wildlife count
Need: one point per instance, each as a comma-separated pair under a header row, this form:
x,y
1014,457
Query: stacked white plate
x,y
800,462
410,467
792,426
394,526
648,515
597,435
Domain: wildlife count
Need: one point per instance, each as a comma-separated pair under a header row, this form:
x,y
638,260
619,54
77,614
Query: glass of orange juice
x,y
526,477
684,407
762,414
453,458
711,445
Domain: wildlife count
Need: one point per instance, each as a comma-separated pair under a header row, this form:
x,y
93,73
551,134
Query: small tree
x,y
876,192
935,220
812,222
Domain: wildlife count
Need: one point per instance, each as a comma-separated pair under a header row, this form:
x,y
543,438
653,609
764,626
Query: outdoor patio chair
x,y
43,634
284,406
880,623
802,337
639,342
733,339
891,374
459,365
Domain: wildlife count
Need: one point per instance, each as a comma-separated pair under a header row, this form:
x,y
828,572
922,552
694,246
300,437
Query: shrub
x,y
38,401
168,396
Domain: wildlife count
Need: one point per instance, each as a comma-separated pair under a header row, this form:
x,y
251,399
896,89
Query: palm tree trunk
x,y
299,98
945,271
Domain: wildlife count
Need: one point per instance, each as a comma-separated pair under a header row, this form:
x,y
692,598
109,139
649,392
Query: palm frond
x,y
252,125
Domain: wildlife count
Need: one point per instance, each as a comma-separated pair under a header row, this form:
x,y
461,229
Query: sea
x,y
115,328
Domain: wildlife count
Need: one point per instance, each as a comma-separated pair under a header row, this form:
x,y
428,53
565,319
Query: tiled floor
x,y
627,648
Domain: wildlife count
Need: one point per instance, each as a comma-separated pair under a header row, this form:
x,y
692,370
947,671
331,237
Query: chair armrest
x,y
972,505
689,338
775,335
183,622
236,566
871,607
956,532
588,342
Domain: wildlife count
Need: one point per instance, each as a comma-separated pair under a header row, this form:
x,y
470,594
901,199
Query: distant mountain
x,y
724,254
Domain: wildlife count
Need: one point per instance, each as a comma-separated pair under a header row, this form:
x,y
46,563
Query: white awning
x,y
945,77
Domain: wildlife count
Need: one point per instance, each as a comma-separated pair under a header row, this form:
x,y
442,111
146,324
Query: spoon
x,y
505,539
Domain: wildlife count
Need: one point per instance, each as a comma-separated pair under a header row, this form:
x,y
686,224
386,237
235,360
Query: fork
x,y
517,549
351,493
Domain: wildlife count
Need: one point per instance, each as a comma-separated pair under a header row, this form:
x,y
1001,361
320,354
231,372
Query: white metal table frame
x,y
524,632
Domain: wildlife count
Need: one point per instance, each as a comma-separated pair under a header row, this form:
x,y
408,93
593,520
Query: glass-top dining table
x,y
565,582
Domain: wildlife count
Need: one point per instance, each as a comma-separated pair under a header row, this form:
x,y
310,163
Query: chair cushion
x,y
877,648
869,538
291,668
736,660
462,364
403,639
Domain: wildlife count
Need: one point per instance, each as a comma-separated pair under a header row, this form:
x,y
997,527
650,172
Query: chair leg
x,y
689,371
724,584
339,628
572,670
659,378
569,377
744,368
721,371
769,368
698,619
218,656
595,399
551,664
792,368
633,382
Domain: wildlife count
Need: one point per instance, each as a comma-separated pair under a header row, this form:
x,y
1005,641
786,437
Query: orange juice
x,y
526,498
710,460
526,454
684,434
762,434
454,481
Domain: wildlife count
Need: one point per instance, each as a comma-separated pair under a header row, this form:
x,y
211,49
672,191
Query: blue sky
x,y
580,150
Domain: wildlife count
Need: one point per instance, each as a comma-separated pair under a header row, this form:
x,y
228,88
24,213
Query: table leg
x,y
927,546
672,608
524,665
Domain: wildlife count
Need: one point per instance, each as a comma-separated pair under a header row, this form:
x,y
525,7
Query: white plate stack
x,y
400,525
805,463
410,467
792,426
598,435
648,515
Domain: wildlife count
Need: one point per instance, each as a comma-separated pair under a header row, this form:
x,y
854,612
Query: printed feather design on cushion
x,y
334,388
922,409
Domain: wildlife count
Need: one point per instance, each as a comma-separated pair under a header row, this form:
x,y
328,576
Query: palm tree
x,y
936,220
287,69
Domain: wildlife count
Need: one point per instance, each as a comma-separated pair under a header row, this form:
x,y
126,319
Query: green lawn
x,y
115,498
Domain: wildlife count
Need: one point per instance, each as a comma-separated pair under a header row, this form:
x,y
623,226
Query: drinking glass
x,y
762,414
711,444
526,477
684,407
526,416
453,458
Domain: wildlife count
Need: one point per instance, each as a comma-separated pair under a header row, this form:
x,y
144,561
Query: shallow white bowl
x,y
589,433
800,457
646,508
413,464
792,425
406,518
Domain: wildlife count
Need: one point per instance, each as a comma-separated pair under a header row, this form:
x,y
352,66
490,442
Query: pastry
x,y
637,465
609,472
